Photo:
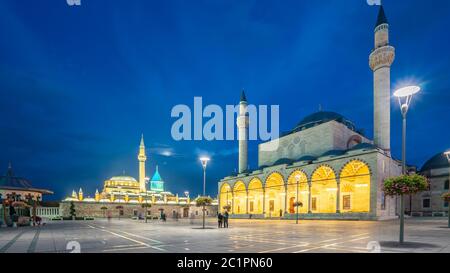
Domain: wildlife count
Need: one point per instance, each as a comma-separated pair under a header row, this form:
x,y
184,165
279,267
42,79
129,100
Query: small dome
x,y
363,146
123,178
307,158
438,161
320,118
334,153
283,161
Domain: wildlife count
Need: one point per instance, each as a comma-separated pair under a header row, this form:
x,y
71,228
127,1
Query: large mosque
x,y
324,165
124,196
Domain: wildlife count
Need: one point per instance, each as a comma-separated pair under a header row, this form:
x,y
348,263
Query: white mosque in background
x,y
325,165
126,189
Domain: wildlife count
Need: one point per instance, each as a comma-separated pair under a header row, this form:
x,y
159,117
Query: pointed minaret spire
x,y
382,19
243,97
10,170
142,140
156,168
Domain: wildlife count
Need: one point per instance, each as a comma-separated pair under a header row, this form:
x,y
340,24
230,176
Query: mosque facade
x,y
324,167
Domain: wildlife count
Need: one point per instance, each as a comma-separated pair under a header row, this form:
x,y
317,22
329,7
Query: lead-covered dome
x,y
438,161
320,118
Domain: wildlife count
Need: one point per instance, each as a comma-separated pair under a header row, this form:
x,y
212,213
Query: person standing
x,y
225,219
220,219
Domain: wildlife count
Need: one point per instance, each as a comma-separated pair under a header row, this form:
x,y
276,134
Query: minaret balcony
x,y
382,57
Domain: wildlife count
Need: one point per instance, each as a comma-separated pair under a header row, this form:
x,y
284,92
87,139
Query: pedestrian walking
x,y
225,219
220,219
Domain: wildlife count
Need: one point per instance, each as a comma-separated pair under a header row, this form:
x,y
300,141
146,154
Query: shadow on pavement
x,y
393,244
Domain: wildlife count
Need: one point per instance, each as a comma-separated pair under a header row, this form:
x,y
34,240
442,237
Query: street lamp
x,y
297,179
404,96
204,161
447,154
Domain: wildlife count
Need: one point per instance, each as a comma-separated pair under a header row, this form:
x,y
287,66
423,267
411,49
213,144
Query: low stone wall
x,y
313,216
84,209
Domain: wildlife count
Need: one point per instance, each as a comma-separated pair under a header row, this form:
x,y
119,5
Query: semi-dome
x,y
320,118
363,146
438,161
333,153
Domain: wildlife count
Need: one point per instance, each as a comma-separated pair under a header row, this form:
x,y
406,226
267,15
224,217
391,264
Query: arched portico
x,y
255,196
355,187
225,196
275,195
303,192
240,198
324,190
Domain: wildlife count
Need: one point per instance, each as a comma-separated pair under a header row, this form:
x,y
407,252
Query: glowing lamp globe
x,y
406,91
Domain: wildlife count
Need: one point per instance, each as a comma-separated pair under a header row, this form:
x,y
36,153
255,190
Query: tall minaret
x,y
142,158
381,59
242,123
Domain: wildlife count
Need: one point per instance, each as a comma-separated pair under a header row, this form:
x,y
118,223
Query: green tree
x,y
72,210
405,185
446,198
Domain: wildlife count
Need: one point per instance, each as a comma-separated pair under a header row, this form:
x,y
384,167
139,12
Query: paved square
x,y
268,236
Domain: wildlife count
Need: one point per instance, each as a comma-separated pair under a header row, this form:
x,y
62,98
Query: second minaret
x,y
242,123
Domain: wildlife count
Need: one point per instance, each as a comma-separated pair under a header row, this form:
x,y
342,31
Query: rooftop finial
x,y
320,107
157,168
142,140
382,19
10,171
243,97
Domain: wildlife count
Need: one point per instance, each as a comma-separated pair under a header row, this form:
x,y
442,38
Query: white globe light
x,y
406,91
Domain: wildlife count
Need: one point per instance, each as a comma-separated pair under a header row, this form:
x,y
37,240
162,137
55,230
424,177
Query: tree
x,y
203,201
146,206
72,210
405,185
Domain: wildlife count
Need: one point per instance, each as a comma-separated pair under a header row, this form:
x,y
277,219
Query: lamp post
x,y
297,180
404,96
447,154
204,161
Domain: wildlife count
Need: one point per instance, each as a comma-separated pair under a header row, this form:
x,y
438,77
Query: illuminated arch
x,y
255,196
323,190
240,198
355,187
303,192
275,195
225,196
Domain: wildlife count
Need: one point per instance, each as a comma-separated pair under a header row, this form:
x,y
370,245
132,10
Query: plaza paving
x,y
268,236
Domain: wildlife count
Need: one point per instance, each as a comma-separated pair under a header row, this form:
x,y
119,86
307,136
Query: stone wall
x,y
84,209
314,141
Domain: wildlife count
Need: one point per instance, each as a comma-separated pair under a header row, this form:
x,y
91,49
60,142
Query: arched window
x,y
323,190
240,198
355,187
255,196
275,195
446,185
303,192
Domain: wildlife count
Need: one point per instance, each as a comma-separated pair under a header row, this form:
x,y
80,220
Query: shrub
x,y
203,201
405,184
446,196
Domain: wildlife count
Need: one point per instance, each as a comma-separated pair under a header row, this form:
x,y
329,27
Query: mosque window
x,y
383,201
314,203
426,203
446,204
346,202
446,185
251,206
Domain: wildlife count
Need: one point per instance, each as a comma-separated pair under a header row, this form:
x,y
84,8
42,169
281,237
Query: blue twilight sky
x,y
78,85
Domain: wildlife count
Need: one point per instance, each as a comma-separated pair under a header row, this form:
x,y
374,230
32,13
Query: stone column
x,y
338,195
246,203
264,202
309,198
285,198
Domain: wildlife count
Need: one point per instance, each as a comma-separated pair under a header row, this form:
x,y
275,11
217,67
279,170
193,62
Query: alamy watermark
x,y
221,123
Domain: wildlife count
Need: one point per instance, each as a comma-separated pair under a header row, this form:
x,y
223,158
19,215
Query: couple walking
x,y
223,219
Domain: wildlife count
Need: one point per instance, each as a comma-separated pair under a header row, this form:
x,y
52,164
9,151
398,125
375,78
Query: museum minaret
x,y
242,123
142,158
381,59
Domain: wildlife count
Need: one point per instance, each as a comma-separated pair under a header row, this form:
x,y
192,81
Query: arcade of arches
x,y
326,192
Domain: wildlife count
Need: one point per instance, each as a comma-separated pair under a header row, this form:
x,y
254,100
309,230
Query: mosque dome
x,y
123,178
320,118
438,161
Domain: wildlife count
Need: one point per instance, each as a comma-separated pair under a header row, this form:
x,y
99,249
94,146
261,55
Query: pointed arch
x,y
275,195
302,191
239,198
255,196
355,186
225,196
323,190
